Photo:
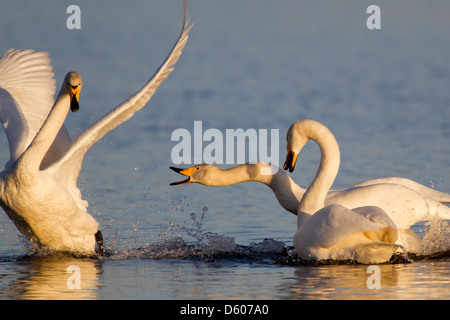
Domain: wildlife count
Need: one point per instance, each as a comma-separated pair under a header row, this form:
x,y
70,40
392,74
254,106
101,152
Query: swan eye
x,y
198,168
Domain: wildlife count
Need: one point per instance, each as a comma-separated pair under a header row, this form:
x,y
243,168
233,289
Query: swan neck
x,y
238,174
45,137
287,192
302,217
314,197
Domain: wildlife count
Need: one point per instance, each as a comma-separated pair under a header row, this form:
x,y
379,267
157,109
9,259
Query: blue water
x,y
248,64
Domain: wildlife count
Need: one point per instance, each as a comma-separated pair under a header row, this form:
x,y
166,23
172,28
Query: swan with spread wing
x,y
38,186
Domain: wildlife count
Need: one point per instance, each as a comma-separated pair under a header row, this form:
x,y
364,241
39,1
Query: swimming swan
x,y
38,188
365,234
289,196
405,201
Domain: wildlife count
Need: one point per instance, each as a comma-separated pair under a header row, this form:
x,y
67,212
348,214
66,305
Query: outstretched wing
x,y
27,88
69,166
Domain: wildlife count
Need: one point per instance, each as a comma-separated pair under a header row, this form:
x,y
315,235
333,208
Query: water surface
x,y
248,64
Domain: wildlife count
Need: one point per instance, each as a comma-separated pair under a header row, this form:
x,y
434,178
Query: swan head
x,y
291,159
296,138
195,174
72,85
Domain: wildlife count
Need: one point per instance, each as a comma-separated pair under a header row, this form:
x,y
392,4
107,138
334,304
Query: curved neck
x,y
43,140
314,197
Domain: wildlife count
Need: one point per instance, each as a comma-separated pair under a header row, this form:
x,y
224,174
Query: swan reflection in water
x,y
56,278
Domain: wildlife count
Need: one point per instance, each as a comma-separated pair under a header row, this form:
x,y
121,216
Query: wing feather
x,y
333,223
69,166
27,88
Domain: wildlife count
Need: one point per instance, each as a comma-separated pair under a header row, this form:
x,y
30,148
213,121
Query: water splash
x,y
437,237
205,244
198,224
209,243
268,246
175,244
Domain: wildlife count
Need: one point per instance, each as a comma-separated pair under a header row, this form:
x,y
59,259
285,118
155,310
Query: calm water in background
x,y
248,64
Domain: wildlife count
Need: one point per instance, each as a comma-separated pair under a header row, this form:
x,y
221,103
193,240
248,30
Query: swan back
x,y
365,234
334,223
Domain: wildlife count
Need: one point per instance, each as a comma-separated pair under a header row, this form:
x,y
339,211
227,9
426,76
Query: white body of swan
x,y
38,187
365,234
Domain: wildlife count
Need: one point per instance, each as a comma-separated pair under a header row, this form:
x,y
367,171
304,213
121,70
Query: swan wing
x,y
334,223
27,88
375,215
425,191
69,166
403,205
